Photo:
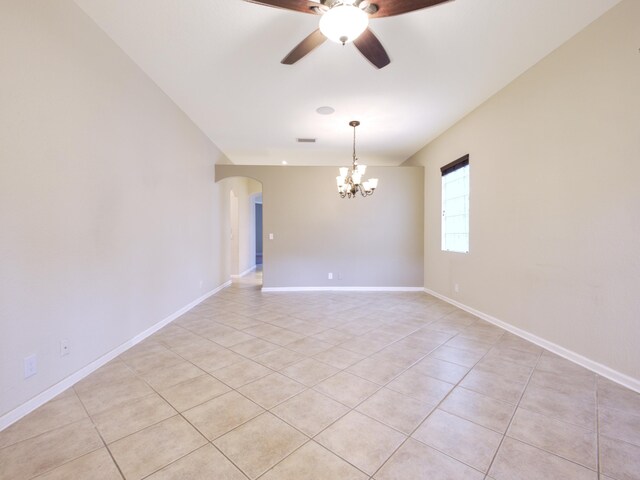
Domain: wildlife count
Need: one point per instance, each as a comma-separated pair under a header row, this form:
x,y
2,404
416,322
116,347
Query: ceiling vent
x,y
306,140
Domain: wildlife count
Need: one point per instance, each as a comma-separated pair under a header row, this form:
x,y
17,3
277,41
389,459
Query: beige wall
x,y
555,196
370,242
110,219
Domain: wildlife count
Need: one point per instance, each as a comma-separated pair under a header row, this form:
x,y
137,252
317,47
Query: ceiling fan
x,y
346,21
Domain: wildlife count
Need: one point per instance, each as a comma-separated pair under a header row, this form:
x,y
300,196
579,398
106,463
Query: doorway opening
x,y
245,231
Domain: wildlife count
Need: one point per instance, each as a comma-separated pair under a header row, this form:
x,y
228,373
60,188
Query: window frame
x,y
460,163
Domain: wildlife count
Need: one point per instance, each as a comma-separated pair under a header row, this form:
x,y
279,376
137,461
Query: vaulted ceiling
x,y
219,61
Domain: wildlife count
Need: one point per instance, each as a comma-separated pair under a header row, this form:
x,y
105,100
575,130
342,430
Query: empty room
x,y
319,239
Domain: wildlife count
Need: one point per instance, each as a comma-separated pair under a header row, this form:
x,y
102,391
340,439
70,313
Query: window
x,y
455,206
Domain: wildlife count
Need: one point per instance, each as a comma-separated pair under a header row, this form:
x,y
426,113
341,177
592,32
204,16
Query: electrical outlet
x,y
271,236
30,365
456,288
64,347
201,284
330,276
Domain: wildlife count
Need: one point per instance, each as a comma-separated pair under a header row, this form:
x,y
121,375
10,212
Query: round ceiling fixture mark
x,y
326,110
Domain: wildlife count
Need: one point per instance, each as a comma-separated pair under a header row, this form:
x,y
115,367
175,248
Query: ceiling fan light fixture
x,y
344,23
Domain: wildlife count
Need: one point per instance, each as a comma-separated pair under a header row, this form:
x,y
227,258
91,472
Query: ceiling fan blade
x,y
304,6
372,49
389,8
305,46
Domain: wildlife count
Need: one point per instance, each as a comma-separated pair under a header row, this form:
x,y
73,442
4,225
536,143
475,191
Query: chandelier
x,y
350,179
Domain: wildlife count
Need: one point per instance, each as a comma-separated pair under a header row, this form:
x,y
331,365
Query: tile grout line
x,y
533,369
106,446
410,436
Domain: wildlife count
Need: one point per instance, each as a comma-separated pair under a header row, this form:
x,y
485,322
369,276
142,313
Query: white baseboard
x,y
42,398
342,289
602,370
246,272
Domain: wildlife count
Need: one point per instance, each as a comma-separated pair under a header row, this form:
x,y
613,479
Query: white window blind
x,y
455,206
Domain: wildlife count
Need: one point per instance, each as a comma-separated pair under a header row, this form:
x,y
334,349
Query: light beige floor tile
x,y
154,360
550,362
363,346
413,460
618,459
464,440
560,406
54,414
471,344
97,465
206,463
563,439
260,443
216,417
356,327
400,355
494,386
478,408
309,371
271,390
307,328
283,337
142,349
332,336
362,441
620,425
524,462
309,346
612,395
217,360
426,389
279,358
148,450
387,335
512,341
113,371
254,347
167,377
230,339
49,450
263,330
457,356
197,349
396,410
241,373
130,417
377,371
431,335
512,355
422,344
193,392
313,462
579,385
310,411
511,371
339,357
441,369
111,394
347,388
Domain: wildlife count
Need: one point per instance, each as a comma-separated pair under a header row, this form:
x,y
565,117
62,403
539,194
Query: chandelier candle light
x,y
350,179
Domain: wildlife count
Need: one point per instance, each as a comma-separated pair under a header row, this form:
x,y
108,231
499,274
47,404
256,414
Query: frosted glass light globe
x,y
344,23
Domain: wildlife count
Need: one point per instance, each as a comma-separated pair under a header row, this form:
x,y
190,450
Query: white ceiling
x,y
219,60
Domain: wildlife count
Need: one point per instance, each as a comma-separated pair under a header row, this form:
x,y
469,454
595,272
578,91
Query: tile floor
x,y
334,386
